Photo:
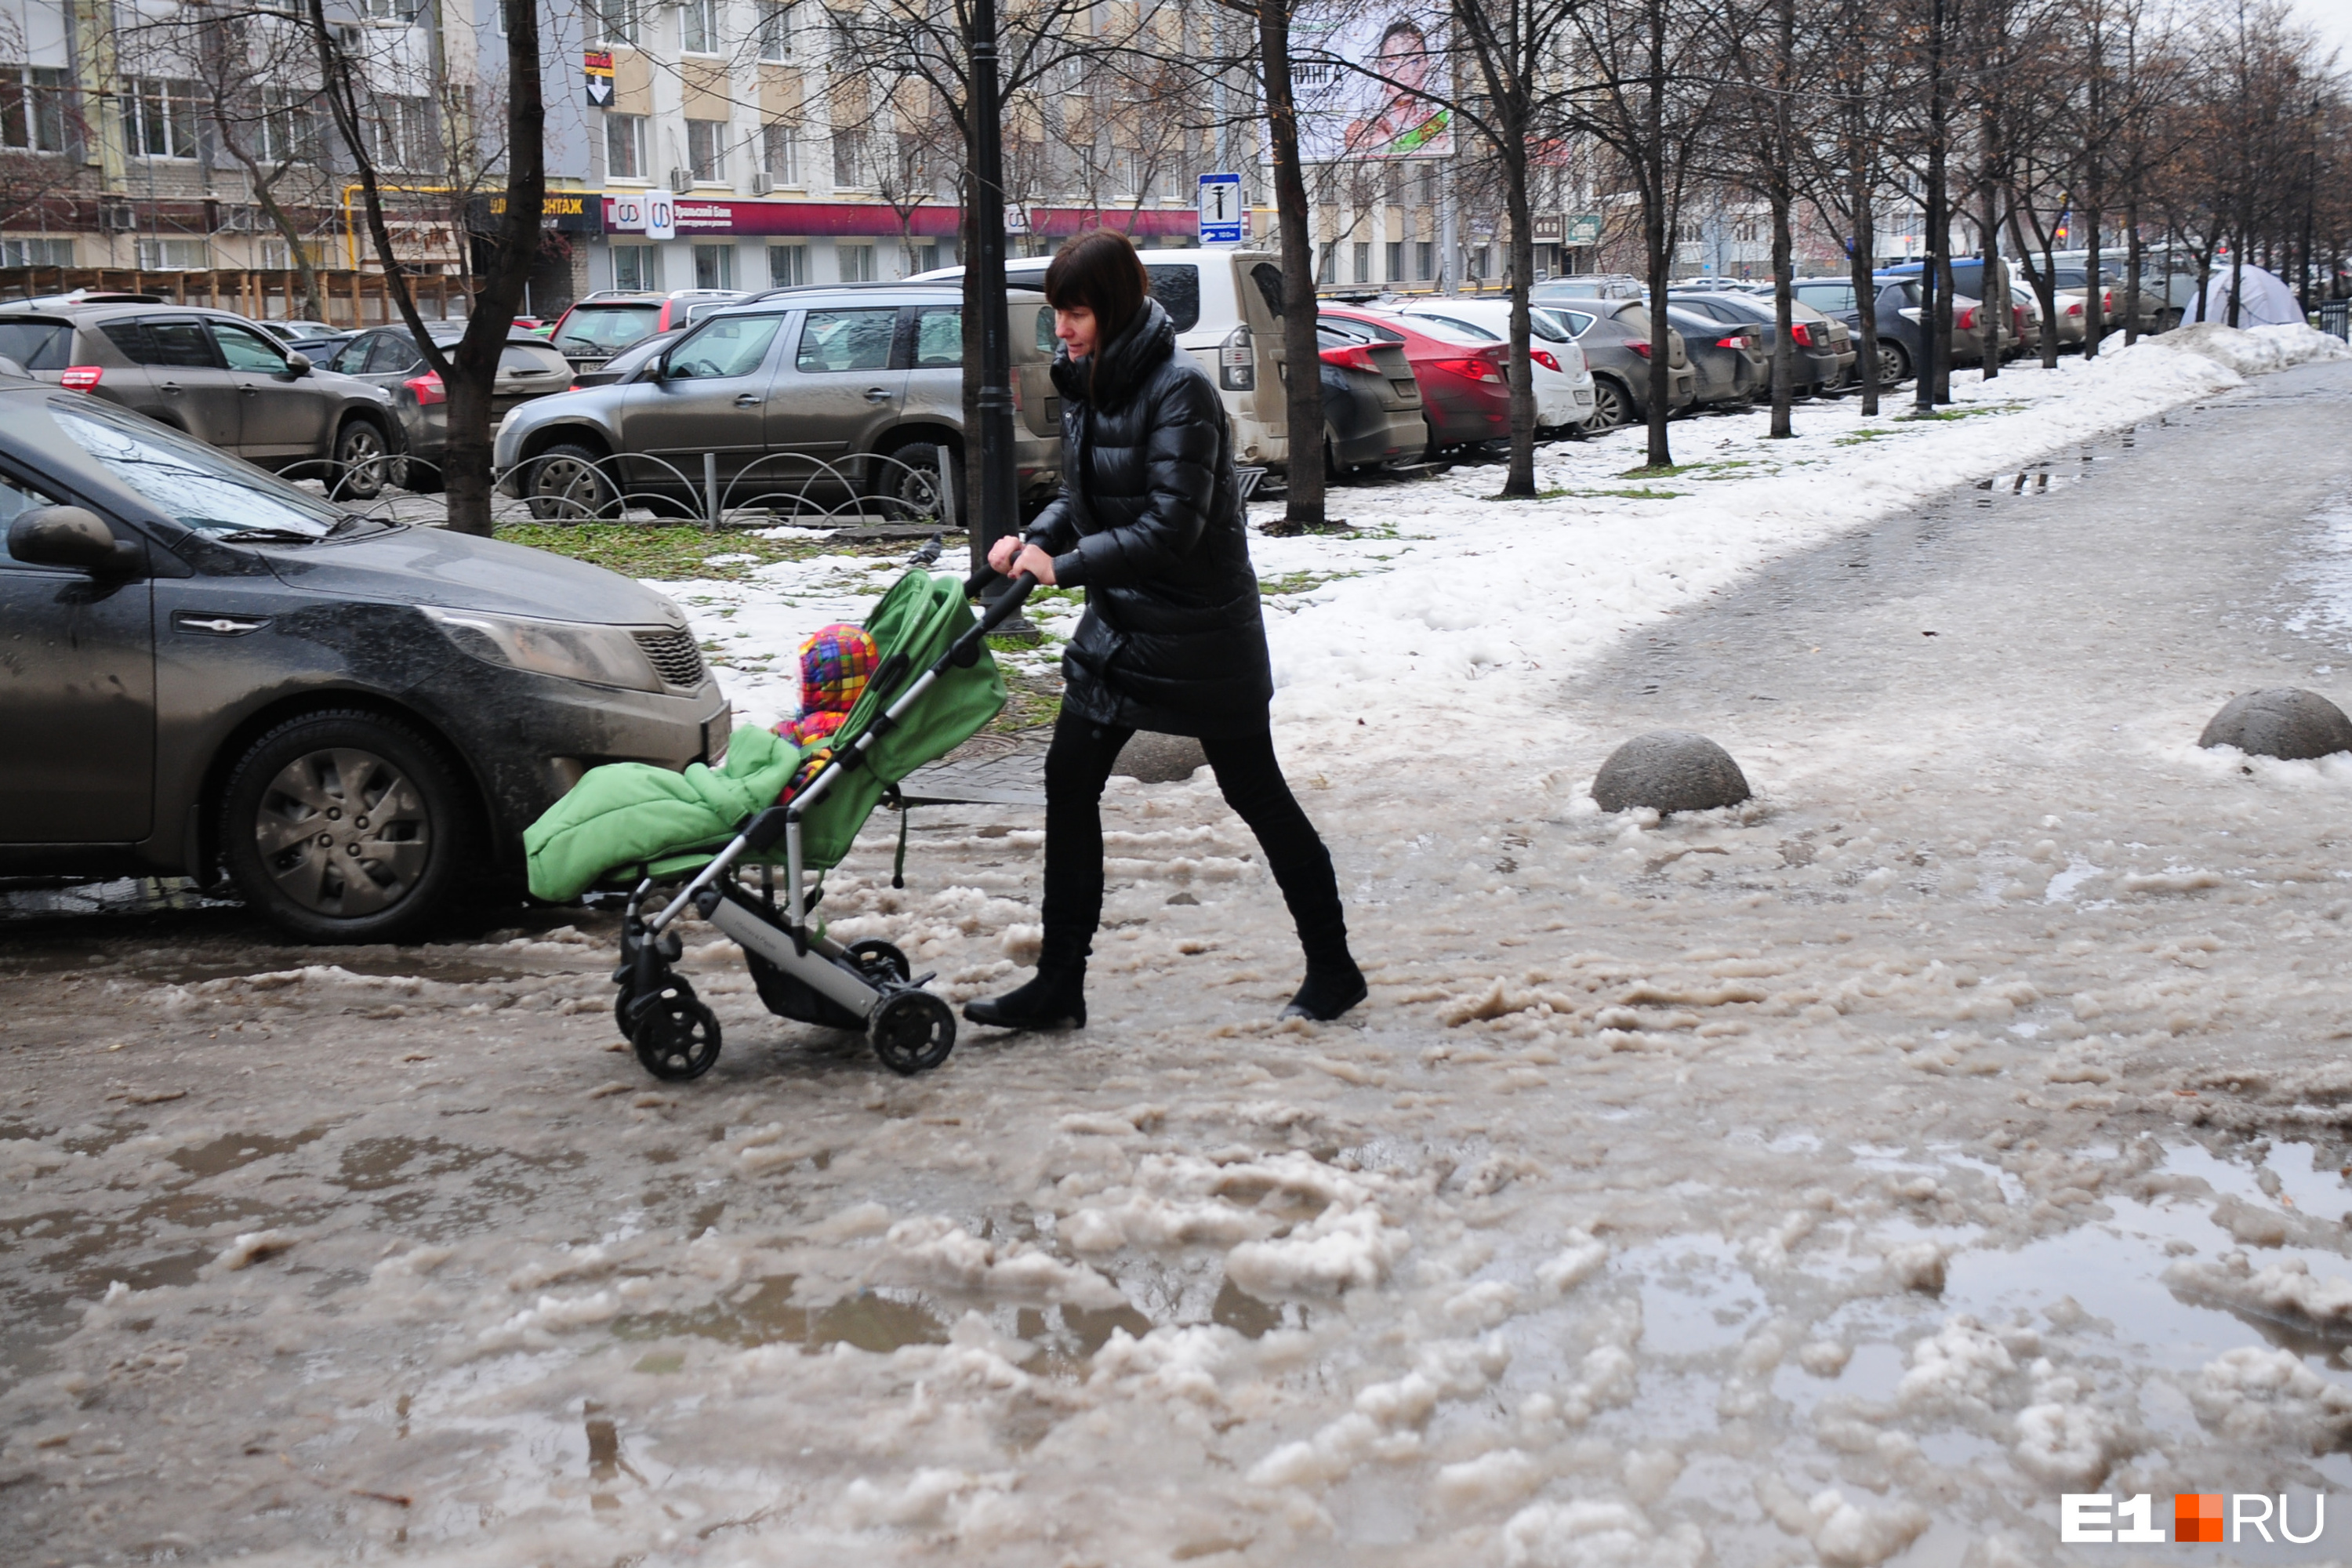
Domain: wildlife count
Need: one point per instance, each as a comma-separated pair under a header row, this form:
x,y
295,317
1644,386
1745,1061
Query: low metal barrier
x,y
2336,317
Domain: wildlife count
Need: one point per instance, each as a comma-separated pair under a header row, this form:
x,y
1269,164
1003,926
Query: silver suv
x,y
797,401
217,376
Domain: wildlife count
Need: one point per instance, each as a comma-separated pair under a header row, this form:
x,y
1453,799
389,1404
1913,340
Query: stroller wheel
x,y
675,1035
879,958
911,1031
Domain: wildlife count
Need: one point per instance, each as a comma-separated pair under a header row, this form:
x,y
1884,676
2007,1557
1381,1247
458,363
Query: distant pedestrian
x,y
1150,523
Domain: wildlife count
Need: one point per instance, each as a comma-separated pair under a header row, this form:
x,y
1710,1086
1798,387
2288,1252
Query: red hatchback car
x,y
1465,392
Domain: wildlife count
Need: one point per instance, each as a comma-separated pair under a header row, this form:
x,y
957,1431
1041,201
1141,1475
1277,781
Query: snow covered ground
x,y
1836,1179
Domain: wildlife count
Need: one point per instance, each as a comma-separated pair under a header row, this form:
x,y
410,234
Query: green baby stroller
x,y
713,826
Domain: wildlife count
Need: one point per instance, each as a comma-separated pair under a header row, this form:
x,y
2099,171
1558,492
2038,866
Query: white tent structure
x,y
2264,301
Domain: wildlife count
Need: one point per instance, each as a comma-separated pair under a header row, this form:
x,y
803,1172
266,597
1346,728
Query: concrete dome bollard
x,y
1151,758
1669,771
2283,721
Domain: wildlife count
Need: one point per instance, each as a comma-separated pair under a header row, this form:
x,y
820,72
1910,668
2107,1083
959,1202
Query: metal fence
x,y
915,485
2336,317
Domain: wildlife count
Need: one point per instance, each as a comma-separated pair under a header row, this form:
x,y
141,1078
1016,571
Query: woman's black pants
x,y
1079,765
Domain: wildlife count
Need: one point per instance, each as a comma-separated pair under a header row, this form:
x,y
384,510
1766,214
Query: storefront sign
x,y
566,212
1582,228
600,79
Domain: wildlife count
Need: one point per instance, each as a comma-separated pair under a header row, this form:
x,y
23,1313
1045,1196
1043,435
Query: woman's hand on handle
x,y
1032,560
1001,554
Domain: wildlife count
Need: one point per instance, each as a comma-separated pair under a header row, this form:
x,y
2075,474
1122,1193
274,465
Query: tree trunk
x,y
1657,233
1995,304
2132,261
1865,287
1778,192
2095,294
1936,341
1521,482
1302,367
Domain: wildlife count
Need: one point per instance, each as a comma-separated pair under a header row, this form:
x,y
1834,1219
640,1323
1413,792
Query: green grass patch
x,y
1945,414
1660,471
1640,494
1859,437
681,552
1284,582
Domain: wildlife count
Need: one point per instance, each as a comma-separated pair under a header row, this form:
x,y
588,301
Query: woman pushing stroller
x,y
1150,523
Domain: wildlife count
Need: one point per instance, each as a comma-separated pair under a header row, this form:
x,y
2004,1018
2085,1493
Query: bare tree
x,y
1653,96
468,374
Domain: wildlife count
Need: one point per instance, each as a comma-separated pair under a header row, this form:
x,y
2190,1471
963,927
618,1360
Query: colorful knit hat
x,y
835,664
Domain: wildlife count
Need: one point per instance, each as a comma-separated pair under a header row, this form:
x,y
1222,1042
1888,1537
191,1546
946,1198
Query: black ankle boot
x,y
1330,990
1054,999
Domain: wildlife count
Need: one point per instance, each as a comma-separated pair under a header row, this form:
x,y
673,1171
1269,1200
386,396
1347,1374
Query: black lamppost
x,y
995,512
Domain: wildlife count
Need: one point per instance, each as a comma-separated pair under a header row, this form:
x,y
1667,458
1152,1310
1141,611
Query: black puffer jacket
x,y
1150,523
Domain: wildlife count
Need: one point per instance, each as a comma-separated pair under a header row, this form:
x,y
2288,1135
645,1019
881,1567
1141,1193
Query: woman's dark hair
x,y
1100,271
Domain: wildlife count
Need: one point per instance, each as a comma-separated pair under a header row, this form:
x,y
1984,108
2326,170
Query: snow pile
x,y
1597,1535
934,1251
1386,1421
2257,1394
2285,1290
2060,1436
1845,1534
2255,351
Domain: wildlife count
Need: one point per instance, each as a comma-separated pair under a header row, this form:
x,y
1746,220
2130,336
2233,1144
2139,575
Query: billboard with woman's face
x,y
1357,72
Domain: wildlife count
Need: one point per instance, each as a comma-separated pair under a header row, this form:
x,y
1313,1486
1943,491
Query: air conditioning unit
x,y
681,181
116,217
763,184
237,218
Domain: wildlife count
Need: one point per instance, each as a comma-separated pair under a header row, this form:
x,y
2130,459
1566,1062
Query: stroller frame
x,y
802,973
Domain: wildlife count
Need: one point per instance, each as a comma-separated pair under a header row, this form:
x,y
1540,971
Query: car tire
x,y
567,483
1894,362
418,476
305,832
363,459
1613,405
905,480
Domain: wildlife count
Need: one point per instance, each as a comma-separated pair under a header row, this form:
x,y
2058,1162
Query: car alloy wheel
x,y
345,827
1894,365
361,457
342,832
567,485
1609,408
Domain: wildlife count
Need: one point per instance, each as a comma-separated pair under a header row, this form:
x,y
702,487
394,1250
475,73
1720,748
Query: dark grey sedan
x,y
1615,335
1825,350
215,673
388,357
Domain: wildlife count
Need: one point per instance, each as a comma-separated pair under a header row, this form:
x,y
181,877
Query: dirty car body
x,y
212,669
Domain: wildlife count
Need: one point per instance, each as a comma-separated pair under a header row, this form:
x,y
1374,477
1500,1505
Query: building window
x,y
388,10
36,253
160,118
174,256
277,256
33,107
288,126
787,265
714,267
636,267
1395,259
1424,260
780,150
624,146
616,21
698,27
706,151
402,130
1363,259
1327,270
775,30
851,170
857,261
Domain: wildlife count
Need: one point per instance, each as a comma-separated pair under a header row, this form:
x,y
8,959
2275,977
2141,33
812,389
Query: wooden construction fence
x,y
352,299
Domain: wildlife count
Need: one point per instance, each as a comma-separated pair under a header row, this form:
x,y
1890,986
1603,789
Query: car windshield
x,y
600,329
38,345
194,484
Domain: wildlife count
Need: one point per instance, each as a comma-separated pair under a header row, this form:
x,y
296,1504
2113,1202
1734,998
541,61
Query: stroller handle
x,y
965,653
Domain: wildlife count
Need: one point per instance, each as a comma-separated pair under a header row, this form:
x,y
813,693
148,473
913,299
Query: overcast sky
x,y
2334,19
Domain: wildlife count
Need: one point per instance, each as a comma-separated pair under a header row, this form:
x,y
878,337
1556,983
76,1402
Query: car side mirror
x,y
300,364
69,536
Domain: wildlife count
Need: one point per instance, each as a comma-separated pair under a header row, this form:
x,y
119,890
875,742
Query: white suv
x,y
1226,305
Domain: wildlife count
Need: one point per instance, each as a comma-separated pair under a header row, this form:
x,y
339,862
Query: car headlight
x,y
571,650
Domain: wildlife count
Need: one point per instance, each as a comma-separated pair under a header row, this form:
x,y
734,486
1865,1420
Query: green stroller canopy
x,y
634,817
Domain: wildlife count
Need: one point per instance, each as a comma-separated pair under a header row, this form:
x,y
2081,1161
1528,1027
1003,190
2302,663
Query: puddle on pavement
x,y
232,1149
765,1314
2024,482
